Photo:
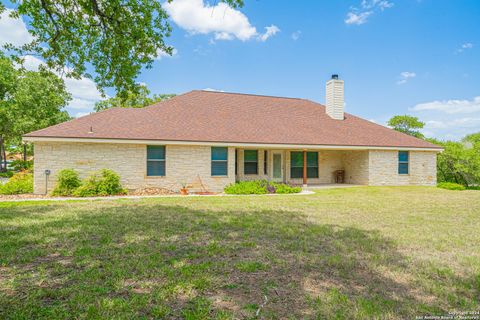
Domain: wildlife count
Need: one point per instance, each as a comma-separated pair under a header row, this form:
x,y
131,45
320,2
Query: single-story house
x,y
217,138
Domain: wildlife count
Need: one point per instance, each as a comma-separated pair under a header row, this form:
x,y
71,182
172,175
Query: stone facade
x,y
366,167
184,164
192,165
384,168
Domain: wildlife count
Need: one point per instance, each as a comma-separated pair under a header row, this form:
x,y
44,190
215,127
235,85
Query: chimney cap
x,y
335,76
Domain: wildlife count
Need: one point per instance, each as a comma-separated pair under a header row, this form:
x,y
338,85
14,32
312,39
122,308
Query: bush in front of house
x,y
247,187
260,187
19,183
7,174
68,182
103,183
451,186
285,188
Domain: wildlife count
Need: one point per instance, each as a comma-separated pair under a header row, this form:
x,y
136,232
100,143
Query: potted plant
x,y
184,189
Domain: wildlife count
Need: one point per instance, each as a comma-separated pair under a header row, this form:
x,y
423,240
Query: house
x,y
217,138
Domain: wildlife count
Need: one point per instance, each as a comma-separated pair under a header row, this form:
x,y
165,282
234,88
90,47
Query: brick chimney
x,y
335,100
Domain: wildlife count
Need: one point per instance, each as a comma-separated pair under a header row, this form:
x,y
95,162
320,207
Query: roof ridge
x,y
249,94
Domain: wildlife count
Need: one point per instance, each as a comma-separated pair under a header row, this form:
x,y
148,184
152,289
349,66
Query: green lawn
x,y
372,252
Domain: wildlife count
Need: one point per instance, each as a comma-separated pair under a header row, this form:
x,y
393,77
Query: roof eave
x,y
29,138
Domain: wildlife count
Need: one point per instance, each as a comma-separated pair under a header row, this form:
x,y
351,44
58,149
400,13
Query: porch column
x,y
304,168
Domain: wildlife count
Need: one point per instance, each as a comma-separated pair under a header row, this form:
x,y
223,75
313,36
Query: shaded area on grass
x,y
150,260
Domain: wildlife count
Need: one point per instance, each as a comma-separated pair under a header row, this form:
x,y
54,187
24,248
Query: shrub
x,y
19,165
67,182
7,174
103,183
285,188
19,183
260,187
247,187
450,186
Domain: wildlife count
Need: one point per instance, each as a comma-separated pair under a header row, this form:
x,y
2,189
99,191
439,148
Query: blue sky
x,y
418,57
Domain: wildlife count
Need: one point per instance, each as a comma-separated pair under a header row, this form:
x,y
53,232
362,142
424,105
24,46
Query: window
x,y
265,165
155,161
403,162
219,161
296,164
250,162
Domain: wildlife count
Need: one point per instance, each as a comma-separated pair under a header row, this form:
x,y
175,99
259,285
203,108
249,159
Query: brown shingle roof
x,y
206,116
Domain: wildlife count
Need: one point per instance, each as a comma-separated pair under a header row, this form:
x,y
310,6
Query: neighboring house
x,y
219,138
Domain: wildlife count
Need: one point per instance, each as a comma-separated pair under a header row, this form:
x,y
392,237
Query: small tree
x,y
407,124
139,99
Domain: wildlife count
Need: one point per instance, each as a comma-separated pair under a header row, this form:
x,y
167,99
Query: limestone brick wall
x,y
383,168
356,166
183,164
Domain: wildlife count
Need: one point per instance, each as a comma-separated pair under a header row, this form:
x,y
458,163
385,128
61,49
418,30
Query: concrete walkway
x,y
331,186
304,192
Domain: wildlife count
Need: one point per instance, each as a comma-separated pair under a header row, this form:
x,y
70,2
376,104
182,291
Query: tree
x,y
29,100
460,161
116,37
407,124
138,99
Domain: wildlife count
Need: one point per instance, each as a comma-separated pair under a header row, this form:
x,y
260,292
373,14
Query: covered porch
x,y
306,167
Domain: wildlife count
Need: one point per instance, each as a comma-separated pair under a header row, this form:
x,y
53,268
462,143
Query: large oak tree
x,y
116,37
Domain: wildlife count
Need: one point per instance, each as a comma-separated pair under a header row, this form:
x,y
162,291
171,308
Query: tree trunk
x,y
3,156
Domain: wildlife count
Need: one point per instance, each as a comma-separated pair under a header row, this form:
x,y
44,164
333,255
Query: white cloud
x,y
224,22
296,35
450,106
463,47
81,114
357,18
162,54
359,15
12,30
271,31
405,76
214,90
84,91
449,119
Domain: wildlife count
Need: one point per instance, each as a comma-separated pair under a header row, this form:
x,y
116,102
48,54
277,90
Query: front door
x,y
277,166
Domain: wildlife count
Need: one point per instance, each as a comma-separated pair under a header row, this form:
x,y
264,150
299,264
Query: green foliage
x,y
138,99
285,188
29,100
6,174
247,187
67,182
260,187
103,183
116,38
407,124
19,165
451,186
460,161
19,183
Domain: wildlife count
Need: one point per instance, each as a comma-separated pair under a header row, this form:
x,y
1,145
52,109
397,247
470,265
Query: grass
x,y
355,253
